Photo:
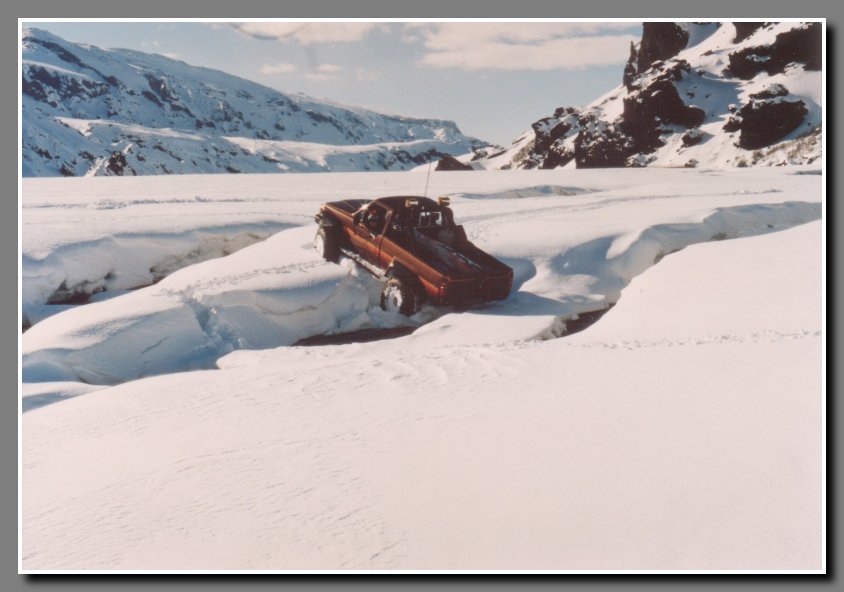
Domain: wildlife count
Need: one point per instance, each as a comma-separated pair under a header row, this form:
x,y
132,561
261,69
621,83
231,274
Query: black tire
x,y
327,244
398,295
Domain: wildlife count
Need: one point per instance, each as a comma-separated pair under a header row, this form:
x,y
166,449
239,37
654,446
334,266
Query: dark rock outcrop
x,y
45,86
449,163
802,45
745,30
631,69
549,131
692,137
660,41
771,92
768,121
117,165
646,110
558,155
598,146
668,101
733,124
544,138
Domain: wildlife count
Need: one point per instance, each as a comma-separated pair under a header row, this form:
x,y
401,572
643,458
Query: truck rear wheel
x,y
327,244
399,296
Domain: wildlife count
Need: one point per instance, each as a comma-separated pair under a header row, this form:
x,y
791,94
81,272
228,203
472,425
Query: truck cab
x,y
416,245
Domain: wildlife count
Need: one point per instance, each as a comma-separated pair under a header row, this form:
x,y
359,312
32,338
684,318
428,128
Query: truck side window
x,y
429,219
374,219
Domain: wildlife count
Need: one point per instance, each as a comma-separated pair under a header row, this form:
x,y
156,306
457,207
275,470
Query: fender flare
x,y
326,220
399,270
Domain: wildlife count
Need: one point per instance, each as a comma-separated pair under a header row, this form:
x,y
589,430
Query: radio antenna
x,y
428,177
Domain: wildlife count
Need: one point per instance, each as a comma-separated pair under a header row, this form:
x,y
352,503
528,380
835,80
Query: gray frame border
x,y
644,9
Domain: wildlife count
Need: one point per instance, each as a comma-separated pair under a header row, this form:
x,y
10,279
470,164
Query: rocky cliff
x,y
693,94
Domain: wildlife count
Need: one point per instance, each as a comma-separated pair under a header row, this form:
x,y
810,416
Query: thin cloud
x,y
523,46
324,72
328,68
364,75
307,33
278,68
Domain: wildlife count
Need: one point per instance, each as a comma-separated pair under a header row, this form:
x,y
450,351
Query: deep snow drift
x,y
682,431
573,244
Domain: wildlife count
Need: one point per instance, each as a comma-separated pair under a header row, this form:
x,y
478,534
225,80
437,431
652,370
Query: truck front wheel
x,y
326,244
398,296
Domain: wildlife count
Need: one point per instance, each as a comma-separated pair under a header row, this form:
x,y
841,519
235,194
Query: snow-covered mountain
x,y
92,111
692,94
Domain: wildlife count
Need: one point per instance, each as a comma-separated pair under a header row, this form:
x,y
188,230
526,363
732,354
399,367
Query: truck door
x,y
368,232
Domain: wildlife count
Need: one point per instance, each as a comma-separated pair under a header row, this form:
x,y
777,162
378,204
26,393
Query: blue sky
x,y
493,78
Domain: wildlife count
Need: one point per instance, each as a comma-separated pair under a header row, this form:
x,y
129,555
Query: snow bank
x,y
38,394
647,441
118,263
744,299
254,299
573,247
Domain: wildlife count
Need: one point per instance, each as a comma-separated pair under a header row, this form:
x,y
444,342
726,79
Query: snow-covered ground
x,y
683,430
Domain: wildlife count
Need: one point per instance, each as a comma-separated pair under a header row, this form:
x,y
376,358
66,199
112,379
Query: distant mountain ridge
x,y
692,94
92,111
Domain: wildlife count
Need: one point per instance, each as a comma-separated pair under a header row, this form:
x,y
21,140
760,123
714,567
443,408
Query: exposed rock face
x,y
558,155
766,121
117,164
660,41
801,45
550,138
771,92
745,30
449,163
631,69
549,130
701,107
693,137
548,143
657,104
41,82
598,146
767,118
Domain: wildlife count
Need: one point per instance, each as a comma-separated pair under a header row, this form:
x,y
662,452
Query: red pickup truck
x,y
414,243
